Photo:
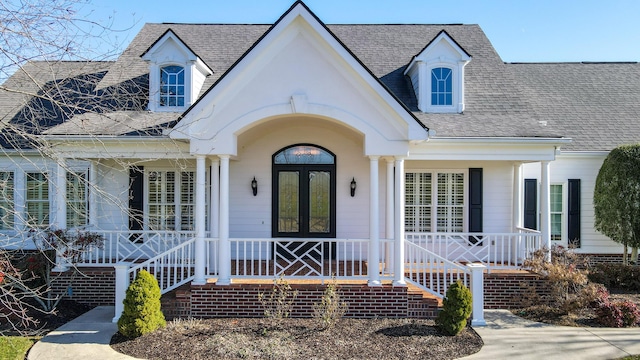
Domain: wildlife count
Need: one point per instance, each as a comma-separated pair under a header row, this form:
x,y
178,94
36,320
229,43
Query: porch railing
x,y
494,250
303,258
432,272
132,246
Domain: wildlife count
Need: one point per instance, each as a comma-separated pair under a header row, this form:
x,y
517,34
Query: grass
x,y
15,347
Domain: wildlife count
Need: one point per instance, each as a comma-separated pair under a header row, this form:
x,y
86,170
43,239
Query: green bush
x,y
456,309
141,314
617,276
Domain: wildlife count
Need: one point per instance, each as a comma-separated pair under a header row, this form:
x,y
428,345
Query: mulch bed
x,y
45,322
584,317
243,338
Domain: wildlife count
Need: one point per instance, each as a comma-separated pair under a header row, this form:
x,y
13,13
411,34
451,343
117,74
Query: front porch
x,y
430,262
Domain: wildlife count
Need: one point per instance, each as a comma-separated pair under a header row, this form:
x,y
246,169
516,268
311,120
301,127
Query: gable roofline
x,y
442,33
170,31
324,26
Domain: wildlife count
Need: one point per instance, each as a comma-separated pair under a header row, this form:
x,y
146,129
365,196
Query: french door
x,y
304,195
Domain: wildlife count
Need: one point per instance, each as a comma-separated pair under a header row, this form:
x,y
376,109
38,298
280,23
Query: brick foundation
x,y
241,300
89,286
503,290
95,286
605,258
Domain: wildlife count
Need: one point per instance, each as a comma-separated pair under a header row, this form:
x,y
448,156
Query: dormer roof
x,y
431,50
171,41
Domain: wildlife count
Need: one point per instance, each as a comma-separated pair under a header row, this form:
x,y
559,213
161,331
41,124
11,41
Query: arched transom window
x,y
441,86
172,86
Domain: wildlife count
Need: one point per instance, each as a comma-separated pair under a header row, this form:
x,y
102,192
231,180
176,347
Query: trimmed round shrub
x,y
456,309
141,314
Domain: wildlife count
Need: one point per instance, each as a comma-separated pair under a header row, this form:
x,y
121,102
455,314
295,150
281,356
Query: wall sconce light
x,y
353,186
254,186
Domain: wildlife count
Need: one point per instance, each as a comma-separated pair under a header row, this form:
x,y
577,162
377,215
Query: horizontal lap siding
x,y
586,169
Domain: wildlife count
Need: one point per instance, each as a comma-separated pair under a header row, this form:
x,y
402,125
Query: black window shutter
x,y
136,196
531,204
573,209
475,200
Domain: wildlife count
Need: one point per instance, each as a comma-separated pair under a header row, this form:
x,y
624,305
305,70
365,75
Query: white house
x,y
217,153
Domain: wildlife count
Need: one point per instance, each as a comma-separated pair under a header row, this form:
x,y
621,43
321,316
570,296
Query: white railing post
x,y
122,283
477,292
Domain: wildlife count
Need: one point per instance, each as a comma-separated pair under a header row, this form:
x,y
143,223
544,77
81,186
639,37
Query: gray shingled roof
x,y
595,104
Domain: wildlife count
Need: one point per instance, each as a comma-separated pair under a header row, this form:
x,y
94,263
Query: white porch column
x,y
61,195
374,223
224,246
518,196
93,193
477,293
399,224
60,220
200,216
390,229
214,212
545,208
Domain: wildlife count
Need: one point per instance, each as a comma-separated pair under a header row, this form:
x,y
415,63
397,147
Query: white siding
x,y
586,169
497,192
250,217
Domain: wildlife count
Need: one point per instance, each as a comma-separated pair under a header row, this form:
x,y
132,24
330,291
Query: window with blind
x,y
434,201
37,199
557,213
171,200
77,199
6,200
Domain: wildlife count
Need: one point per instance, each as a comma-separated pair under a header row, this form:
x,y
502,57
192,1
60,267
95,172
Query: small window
x,y
172,86
37,201
6,200
557,213
77,199
441,87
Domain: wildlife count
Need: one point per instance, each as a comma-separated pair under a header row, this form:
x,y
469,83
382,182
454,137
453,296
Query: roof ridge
x,y
569,62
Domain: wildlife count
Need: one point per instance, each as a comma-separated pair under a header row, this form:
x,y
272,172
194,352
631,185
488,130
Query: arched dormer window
x,y
437,75
172,86
441,87
176,74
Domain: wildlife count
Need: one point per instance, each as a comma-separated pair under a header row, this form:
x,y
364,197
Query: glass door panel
x,y
288,204
319,202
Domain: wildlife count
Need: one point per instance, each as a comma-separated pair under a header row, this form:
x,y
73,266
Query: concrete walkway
x,y
86,337
505,336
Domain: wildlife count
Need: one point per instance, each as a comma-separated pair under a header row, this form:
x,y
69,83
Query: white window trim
x,y
76,172
434,194
176,196
457,87
13,201
47,175
155,80
564,215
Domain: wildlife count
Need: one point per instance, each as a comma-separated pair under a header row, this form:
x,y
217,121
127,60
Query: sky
x,y
520,30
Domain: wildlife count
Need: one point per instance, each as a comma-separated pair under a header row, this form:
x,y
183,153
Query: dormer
x,y
437,75
176,74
